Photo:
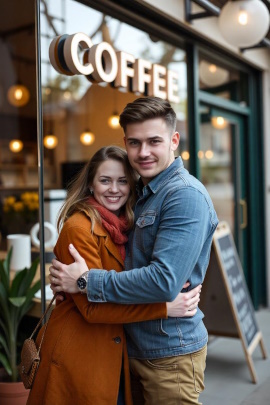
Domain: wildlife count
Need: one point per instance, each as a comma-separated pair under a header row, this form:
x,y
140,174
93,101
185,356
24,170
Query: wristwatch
x,y
82,282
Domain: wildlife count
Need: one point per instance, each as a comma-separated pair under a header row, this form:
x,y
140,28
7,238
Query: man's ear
x,y
175,139
125,140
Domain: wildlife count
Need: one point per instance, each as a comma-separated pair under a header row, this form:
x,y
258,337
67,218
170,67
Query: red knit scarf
x,y
116,226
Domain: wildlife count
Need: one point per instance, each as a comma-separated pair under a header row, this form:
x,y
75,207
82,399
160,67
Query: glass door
x,y
222,167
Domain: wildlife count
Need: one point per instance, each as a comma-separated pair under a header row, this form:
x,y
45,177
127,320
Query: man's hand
x,y
64,277
185,304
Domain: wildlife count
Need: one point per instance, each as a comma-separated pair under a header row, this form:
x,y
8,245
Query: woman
x,y
84,356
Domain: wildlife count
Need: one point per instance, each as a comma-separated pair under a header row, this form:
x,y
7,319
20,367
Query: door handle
x,y
243,204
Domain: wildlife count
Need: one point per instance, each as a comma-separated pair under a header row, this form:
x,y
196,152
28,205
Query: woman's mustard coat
x,y
84,345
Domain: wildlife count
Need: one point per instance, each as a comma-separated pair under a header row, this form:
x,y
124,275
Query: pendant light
x,y
219,122
18,95
113,120
87,137
15,145
244,23
211,74
50,141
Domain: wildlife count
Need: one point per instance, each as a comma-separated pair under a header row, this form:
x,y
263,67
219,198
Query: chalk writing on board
x,y
238,288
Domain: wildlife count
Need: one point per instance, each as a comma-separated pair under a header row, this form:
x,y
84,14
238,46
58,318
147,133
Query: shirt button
x,y
96,297
117,339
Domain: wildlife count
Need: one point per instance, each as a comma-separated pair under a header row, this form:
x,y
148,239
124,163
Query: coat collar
x,y
109,244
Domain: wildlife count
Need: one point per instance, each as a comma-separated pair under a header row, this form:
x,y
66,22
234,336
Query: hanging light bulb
x,y
15,145
113,120
50,141
18,95
244,23
87,137
219,122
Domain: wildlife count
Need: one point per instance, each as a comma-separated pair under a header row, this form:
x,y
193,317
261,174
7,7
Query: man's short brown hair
x,y
146,108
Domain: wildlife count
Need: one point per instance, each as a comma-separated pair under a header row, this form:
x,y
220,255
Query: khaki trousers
x,y
170,380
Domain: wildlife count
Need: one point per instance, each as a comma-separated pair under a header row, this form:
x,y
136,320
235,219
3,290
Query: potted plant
x,y
15,301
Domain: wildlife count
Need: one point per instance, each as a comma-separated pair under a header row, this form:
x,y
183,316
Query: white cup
x,y
21,251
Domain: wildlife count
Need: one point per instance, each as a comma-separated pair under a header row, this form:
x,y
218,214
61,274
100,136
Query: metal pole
x,y
40,154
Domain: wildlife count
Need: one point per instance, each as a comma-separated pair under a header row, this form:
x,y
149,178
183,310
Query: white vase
x,y
21,251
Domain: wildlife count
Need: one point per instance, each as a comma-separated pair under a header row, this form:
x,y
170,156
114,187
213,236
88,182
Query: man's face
x,y
150,147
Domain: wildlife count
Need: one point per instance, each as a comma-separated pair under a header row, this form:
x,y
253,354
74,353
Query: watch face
x,y
81,283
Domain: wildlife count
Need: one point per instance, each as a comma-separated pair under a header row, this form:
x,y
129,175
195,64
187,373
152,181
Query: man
x,y
170,244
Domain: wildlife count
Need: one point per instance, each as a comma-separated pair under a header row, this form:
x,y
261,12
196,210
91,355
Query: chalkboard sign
x,y
238,289
225,298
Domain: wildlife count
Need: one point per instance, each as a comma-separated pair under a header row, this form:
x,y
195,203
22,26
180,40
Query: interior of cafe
x,y
79,116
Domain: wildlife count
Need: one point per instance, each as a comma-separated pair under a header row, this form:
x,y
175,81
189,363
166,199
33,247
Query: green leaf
x,y
30,294
16,283
28,279
17,301
4,313
6,364
4,327
4,271
3,343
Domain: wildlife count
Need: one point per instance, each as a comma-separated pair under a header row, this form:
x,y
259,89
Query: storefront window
x,y
79,116
18,138
73,106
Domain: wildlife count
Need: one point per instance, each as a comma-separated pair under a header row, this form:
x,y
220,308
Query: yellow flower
x,y
32,206
29,197
9,200
18,206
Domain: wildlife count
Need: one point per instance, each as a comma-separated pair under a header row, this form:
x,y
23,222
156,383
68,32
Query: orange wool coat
x,y
84,345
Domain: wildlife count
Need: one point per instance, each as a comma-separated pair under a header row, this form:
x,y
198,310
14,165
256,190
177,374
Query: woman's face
x,y
110,185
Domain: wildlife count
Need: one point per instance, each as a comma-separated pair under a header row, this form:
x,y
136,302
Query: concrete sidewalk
x,y
227,376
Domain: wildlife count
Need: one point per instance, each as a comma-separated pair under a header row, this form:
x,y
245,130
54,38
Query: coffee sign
x,y
101,63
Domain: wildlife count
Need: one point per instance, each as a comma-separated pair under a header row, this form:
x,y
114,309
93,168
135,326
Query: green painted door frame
x,y
251,151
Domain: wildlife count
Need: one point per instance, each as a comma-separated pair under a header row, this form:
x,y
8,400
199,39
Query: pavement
x,y
227,376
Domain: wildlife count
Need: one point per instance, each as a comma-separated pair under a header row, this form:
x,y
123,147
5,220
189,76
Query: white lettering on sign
x,y
101,63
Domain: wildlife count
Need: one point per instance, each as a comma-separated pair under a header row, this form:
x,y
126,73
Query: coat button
x,y
117,339
96,297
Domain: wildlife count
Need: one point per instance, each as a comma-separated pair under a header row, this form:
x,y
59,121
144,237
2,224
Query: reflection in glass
x,y
215,157
222,81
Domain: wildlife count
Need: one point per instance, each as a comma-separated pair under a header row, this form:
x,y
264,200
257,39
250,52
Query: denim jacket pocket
x,y
145,231
146,219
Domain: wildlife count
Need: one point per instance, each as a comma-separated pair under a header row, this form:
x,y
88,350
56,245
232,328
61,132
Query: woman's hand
x,y
185,304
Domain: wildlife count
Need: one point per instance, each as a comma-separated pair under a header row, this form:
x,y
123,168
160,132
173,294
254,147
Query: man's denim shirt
x,y
169,245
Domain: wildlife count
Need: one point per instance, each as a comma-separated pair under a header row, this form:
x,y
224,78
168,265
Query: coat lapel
x,y
109,244
112,248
